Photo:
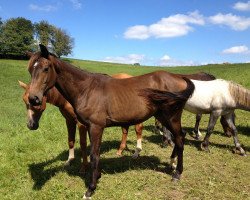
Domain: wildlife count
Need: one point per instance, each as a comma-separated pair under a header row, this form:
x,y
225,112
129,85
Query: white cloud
x,y
236,50
168,61
242,6
46,8
129,59
233,21
172,26
76,4
137,32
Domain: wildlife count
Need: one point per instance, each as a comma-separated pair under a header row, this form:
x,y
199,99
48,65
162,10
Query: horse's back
x,y
126,94
209,96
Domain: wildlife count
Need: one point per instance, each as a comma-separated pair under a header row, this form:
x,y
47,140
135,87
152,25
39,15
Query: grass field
x,y
31,162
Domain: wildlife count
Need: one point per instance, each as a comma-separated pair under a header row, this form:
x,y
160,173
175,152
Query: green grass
x,y
31,162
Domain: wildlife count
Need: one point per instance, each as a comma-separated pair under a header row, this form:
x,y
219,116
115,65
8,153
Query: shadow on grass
x,y
44,171
245,130
157,139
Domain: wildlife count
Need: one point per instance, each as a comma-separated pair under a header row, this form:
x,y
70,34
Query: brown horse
x,y
98,101
55,98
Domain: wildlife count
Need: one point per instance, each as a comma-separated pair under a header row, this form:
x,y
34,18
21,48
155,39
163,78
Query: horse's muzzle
x,y
32,125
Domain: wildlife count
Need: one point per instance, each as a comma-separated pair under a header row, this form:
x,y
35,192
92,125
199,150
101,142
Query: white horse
x,y
219,98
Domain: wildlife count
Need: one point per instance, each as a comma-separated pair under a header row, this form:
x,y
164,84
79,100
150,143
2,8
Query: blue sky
x,y
151,32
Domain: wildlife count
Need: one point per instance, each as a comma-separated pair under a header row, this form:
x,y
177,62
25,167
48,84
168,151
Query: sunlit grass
x,y
31,162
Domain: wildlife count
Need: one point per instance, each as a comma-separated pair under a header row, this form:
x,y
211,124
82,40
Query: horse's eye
x,y
46,69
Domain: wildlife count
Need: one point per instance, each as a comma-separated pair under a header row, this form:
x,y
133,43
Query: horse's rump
x,y
164,98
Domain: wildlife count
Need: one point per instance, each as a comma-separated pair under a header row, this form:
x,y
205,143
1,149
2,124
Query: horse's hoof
x,y
164,145
85,197
88,194
197,137
228,134
135,156
239,151
176,176
204,147
69,162
119,153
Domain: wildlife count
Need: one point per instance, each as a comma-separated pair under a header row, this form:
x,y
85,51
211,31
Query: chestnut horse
x,y
100,101
55,98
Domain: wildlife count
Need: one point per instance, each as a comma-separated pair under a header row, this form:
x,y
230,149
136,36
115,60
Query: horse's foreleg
x,y
71,126
138,130
212,120
230,121
83,144
124,140
96,137
196,127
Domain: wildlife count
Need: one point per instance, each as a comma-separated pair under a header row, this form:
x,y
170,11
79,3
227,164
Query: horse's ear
x,y
22,84
44,51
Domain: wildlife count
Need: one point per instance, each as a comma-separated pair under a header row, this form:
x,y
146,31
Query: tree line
x,y
19,35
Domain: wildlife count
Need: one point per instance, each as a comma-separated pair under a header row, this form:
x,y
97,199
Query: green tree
x,y
16,36
43,32
62,43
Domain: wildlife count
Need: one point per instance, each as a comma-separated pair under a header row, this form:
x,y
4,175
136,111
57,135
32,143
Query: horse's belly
x,y
198,106
196,109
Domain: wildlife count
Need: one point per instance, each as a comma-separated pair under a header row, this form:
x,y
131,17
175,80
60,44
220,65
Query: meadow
x,y
32,162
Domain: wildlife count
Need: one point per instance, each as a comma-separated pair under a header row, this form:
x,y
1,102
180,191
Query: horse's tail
x,y
240,95
159,97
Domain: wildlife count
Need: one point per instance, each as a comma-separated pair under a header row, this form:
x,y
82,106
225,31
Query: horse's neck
x,y
241,96
68,80
54,97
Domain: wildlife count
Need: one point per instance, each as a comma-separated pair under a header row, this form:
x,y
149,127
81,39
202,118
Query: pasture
x,y
31,162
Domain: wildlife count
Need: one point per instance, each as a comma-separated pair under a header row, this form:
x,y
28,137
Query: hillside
x,y
31,162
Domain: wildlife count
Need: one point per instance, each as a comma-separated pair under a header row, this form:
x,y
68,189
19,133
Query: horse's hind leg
x,y
167,137
157,128
83,144
124,140
230,121
138,130
196,127
212,120
227,129
166,134
174,125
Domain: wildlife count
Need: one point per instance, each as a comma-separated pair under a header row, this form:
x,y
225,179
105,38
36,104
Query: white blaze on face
x,y
30,114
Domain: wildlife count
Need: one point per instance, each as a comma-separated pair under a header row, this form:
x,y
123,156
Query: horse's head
x,y
43,75
33,112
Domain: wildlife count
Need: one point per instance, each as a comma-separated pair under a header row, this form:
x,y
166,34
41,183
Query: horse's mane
x,y
210,75
240,94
